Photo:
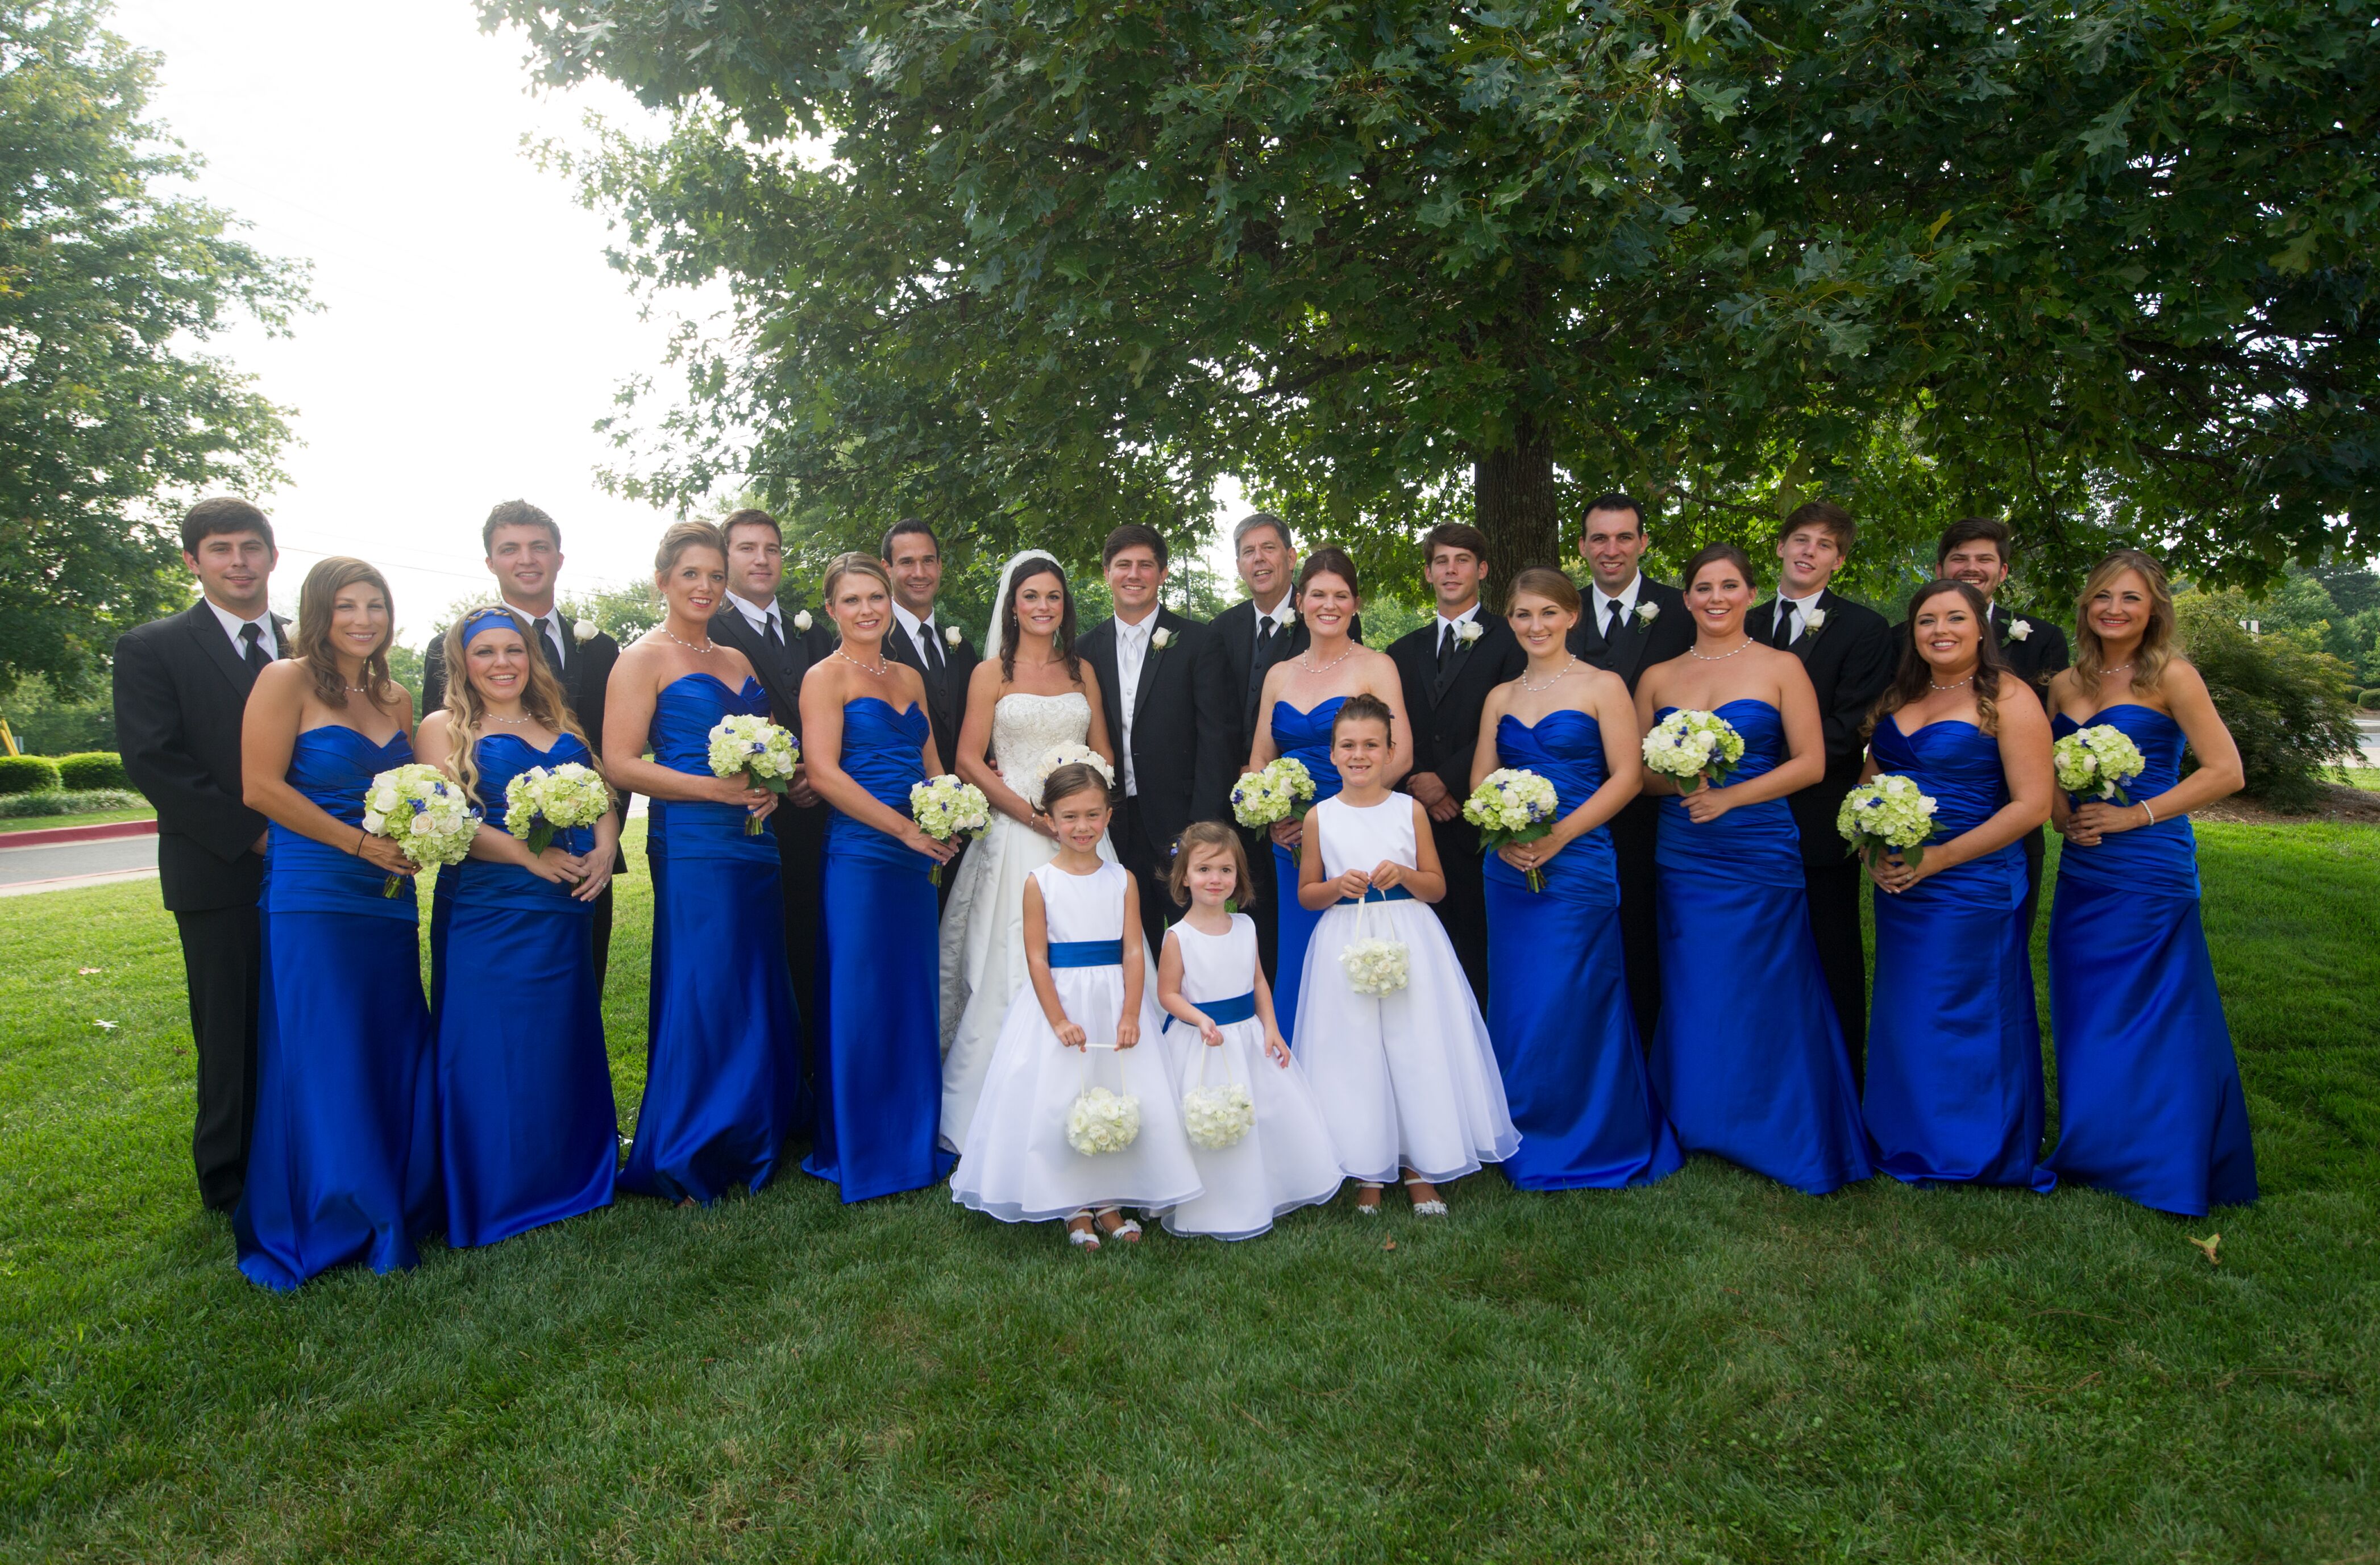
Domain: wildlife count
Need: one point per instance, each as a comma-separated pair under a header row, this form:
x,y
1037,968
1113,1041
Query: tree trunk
x,y
1513,503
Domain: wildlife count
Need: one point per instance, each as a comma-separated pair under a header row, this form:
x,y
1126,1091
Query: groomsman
x,y
1630,623
780,651
1848,649
181,686
1979,550
913,557
1169,712
1448,666
524,554
1256,633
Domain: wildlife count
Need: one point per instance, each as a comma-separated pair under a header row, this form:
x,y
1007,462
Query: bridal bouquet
x,y
2098,759
544,800
1514,806
424,812
1695,748
949,811
1887,816
1282,790
1101,1120
1057,756
757,750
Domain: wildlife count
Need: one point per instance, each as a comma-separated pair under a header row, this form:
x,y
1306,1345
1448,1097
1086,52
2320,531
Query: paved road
x,y
57,865
2370,727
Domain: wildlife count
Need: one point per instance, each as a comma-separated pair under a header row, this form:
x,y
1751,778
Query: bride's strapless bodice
x,y
1025,727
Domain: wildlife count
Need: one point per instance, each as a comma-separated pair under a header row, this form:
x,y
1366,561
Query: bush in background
x,y
2369,700
28,774
92,768
48,724
2289,704
68,801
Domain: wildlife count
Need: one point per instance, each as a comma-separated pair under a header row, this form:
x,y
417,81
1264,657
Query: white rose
x,y
373,821
422,825
951,636
2019,630
802,620
584,630
1468,632
385,800
1814,619
1649,613
1161,638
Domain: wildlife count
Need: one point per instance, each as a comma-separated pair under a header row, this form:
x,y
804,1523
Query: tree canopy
x,y
107,409
1034,267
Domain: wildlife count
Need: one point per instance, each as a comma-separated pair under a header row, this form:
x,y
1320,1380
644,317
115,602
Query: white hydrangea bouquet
x,y
1887,816
760,752
1101,1120
544,800
949,811
1217,1117
2098,759
1694,748
424,812
1057,756
1282,790
1514,806
1375,964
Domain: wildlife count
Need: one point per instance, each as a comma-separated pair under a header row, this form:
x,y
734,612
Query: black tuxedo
x,y
1637,826
1443,705
2037,656
181,689
1850,657
1183,766
946,699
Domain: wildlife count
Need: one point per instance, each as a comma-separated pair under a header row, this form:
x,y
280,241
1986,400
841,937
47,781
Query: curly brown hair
x,y
1915,675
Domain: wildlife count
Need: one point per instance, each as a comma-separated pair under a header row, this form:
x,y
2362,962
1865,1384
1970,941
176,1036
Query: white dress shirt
x,y
1626,599
1444,625
550,623
919,632
233,625
1131,652
1281,618
1798,609
760,616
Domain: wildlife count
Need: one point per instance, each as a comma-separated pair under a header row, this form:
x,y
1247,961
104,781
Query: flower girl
x,y
1227,1049
1399,1057
1043,1143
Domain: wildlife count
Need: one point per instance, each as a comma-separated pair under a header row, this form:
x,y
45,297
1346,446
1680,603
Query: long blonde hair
x,y
324,584
2156,647
541,698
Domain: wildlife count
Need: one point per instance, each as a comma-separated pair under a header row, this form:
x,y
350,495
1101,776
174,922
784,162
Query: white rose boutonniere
x,y
1161,638
1648,613
1468,632
585,630
1815,618
951,636
802,620
2019,630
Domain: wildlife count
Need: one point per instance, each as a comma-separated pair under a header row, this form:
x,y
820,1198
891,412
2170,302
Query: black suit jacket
x,y
2040,653
586,677
1184,723
1444,706
946,697
181,690
1639,645
1851,658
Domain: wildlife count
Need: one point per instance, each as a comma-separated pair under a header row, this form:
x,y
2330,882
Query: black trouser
x,y
1464,911
1834,894
1260,908
1136,849
801,885
220,948
1634,831
2035,850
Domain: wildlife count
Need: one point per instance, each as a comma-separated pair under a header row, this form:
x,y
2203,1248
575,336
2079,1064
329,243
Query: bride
x,y
1029,695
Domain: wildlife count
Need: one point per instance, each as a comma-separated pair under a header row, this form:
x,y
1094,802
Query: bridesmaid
x,y
528,1133
1954,1047
2149,1103
723,1061
1332,668
866,742
1558,1007
1748,1057
344,1162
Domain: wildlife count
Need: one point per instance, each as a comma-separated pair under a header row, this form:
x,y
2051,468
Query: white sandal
x,y
1125,1229
1430,1208
1087,1238
1362,1209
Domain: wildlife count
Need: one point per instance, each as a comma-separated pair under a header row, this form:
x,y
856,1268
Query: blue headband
x,y
478,620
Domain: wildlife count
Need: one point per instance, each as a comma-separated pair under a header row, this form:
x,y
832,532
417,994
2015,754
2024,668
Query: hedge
x,y
59,801
92,768
28,774
2369,700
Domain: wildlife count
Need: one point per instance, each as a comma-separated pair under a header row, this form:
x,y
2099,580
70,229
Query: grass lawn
x,y
94,818
1712,1369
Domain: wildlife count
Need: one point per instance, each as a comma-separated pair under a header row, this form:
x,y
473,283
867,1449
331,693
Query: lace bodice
x,y
1025,727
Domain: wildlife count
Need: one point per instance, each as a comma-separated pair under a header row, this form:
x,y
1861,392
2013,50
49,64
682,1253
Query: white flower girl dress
x,y
1405,1079
1017,1164
1285,1161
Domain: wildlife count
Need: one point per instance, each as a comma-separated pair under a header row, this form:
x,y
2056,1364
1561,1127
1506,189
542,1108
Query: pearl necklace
x,y
708,647
1306,662
877,672
2119,668
1561,673
1954,684
1721,657
507,721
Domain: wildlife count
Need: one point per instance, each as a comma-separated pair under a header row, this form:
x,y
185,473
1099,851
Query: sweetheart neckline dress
x,y
1305,736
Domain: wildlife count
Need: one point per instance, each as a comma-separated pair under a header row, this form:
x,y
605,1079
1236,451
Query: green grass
x,y
1713,1369
94,818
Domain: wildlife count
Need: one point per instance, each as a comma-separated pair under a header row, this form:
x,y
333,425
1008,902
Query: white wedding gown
x,y
983,927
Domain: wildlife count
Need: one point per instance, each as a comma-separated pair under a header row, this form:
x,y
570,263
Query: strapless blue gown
x,y
1954,1042
1303,736
2149,1105
344,1164
1558,1007
528,1133
879,1071
1748,1058
722,1060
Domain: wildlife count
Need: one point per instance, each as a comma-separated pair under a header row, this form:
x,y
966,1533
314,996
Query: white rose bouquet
x,y
1217,1117
759,751
2098,759
1375,964
1887,816
1282,790
1514,806
1694,748
544,800
1101,1120
1057,756
424,812
949,811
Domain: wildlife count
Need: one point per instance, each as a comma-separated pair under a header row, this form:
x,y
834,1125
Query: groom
x,y
938,651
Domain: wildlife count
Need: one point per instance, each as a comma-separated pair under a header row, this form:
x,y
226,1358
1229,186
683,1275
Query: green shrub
x,y
2287,703
92,768
2369,700
28,774
62,801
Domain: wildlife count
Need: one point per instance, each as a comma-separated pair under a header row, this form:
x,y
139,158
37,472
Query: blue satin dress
x,y
344,1163
1557,1009
528,1133
1954,1041
1303,736
879,1072
722,1060
2149,1104
1748,1058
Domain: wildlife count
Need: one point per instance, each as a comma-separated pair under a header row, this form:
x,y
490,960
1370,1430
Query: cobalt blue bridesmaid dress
x,y
1748,1058
1306,738
344,1163
1954,1043
1557,1009
2149,1105
879,1072
723,1064
528,1133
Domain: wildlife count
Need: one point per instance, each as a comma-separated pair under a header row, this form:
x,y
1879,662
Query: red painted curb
x,y
99,833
